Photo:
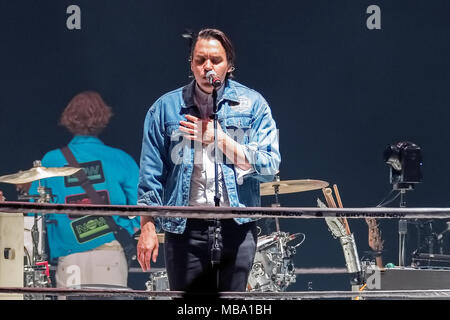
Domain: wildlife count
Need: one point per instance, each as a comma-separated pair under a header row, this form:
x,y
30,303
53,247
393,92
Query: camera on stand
x,y
405,162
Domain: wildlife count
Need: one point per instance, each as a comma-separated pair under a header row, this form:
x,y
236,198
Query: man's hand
x,y
203,131
147,247
200,130
2,197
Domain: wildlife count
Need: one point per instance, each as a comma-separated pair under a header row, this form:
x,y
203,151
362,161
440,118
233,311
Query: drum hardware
x,y
158,281
290,186
38,172
37,276
273,268
44,195
36,268
278,187
38,231
258,231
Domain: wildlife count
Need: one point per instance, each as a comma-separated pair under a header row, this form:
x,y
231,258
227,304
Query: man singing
x,y
177,168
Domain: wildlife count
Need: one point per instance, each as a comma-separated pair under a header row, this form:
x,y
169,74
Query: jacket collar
x,y
85,139
228,93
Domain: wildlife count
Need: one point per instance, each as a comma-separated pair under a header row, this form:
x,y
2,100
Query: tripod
x,y
402,231
402,223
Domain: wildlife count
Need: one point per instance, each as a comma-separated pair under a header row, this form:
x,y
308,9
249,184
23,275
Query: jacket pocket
x,y
238,128
172,129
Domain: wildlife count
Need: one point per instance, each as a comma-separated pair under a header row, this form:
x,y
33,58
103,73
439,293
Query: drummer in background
x,y
179,125
87,255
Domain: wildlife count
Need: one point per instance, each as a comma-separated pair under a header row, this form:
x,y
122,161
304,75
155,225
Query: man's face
x,y
208,55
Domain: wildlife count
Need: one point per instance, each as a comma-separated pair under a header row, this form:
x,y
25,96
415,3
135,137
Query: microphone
x,y
213,79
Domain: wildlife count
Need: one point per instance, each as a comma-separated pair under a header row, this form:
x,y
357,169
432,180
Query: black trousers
x,y
188,256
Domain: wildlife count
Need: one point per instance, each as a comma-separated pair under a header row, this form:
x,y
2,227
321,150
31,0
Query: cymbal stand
x,y
276,189
44,196
36,273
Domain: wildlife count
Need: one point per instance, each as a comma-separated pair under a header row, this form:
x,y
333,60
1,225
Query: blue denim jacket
x,y
167,159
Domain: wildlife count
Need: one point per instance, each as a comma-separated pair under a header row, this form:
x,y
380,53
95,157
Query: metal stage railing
x,y
225,212
299,295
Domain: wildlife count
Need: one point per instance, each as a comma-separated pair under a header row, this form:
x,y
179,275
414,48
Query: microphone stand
x,y
216,164
215,251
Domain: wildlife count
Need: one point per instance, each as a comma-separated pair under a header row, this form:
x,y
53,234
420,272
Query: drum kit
x,y
273,269
36,268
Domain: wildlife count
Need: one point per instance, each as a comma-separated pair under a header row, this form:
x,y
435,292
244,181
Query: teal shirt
x,y
111,170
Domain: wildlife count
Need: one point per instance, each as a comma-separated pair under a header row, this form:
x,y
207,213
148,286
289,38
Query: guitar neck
x,y
379,262
375,241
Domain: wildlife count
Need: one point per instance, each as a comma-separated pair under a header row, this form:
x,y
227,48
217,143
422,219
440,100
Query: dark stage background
x,y
340,93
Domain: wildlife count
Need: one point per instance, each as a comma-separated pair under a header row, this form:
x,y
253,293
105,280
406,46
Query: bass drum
x,y
273,268
11,250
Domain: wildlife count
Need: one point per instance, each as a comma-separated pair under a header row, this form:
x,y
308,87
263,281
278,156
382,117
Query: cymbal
x,y
38,173
291,186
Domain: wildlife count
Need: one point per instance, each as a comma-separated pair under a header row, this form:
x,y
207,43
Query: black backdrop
x,y
340,93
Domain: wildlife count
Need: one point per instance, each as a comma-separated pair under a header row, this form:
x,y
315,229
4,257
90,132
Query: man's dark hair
x,y
223,39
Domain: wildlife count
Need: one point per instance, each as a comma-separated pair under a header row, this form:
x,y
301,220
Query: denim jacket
x,y
167,158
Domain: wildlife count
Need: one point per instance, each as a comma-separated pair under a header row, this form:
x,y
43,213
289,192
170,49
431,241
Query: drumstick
x,y
338,197
329,197
328,193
